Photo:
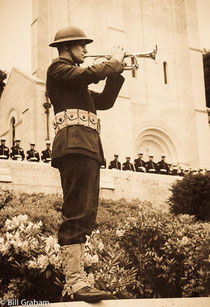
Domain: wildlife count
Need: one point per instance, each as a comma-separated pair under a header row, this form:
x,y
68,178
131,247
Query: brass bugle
x,y
134,62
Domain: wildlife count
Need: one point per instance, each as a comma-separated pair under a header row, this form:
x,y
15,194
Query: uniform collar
x,y
67,60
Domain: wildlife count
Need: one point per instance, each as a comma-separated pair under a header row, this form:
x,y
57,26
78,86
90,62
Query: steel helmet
x,y
70,34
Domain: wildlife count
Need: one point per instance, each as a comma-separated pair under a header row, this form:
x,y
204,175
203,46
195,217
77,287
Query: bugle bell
x,y
133,56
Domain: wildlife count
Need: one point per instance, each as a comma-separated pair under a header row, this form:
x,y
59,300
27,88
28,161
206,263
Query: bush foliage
x,y
191,196
136,251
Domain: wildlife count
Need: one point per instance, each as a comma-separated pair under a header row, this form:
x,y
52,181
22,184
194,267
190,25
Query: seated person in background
x,y
151,166
190,170
140,165
32,154
180,171
186,171
4,150
17,153
128,166
104,164
115,163
162,166
174,170
47,153
195,172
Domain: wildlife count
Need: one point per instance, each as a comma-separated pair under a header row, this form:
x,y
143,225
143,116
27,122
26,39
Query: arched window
x,y
13,130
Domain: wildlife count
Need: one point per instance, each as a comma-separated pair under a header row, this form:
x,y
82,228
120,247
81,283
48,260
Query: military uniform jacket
x,y
151,165
46,154
4,151
127,166
139,163
32,154
16,150
162,165
115,164
67,88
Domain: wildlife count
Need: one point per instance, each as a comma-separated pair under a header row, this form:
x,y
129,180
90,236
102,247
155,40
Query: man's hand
x,y
118,53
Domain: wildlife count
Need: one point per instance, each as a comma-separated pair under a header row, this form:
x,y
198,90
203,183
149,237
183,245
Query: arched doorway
x,y
156,141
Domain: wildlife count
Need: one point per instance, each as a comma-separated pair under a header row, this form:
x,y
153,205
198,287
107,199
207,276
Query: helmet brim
x,y
63,40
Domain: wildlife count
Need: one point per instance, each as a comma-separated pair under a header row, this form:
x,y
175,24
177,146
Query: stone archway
x,y
157,141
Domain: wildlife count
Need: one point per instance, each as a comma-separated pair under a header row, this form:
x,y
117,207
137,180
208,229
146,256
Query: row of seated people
x,y
140,165
150,166
17,153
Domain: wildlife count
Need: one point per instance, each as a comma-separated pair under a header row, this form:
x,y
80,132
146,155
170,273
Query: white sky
x,y
15,38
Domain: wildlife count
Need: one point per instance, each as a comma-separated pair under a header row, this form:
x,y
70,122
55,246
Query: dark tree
x,y
206,63
3,76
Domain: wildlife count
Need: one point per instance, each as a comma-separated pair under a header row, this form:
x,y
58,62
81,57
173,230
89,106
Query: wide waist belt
x,y
71,117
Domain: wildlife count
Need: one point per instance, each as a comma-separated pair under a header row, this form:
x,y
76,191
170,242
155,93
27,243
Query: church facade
x,y
161,108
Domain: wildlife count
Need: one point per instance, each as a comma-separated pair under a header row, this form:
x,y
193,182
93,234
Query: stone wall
x,y
40,177
23,100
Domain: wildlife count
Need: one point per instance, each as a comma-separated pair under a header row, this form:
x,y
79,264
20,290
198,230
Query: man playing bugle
x,y
77,151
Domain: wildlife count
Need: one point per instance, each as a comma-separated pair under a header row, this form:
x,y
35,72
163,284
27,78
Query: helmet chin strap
x,y
72,55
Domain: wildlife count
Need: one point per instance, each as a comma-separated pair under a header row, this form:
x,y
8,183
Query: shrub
x,y
191,196
37,206
26,255
170,253
5,196
28,226
136,251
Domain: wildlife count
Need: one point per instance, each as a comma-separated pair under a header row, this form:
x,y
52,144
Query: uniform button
x,y
71,116
83,116
60,119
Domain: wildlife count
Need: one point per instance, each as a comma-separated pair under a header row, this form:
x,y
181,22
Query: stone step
x,y
172,302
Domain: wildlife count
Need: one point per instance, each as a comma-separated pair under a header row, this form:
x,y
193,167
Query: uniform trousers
x,y
80,183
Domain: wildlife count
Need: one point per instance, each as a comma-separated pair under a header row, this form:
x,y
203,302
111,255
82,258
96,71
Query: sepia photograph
x,y
105,153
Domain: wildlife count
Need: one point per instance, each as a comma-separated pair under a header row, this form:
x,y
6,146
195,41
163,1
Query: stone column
x,y
40,38
198,87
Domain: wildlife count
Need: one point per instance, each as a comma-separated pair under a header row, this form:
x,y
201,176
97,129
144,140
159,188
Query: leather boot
x,y
91,295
